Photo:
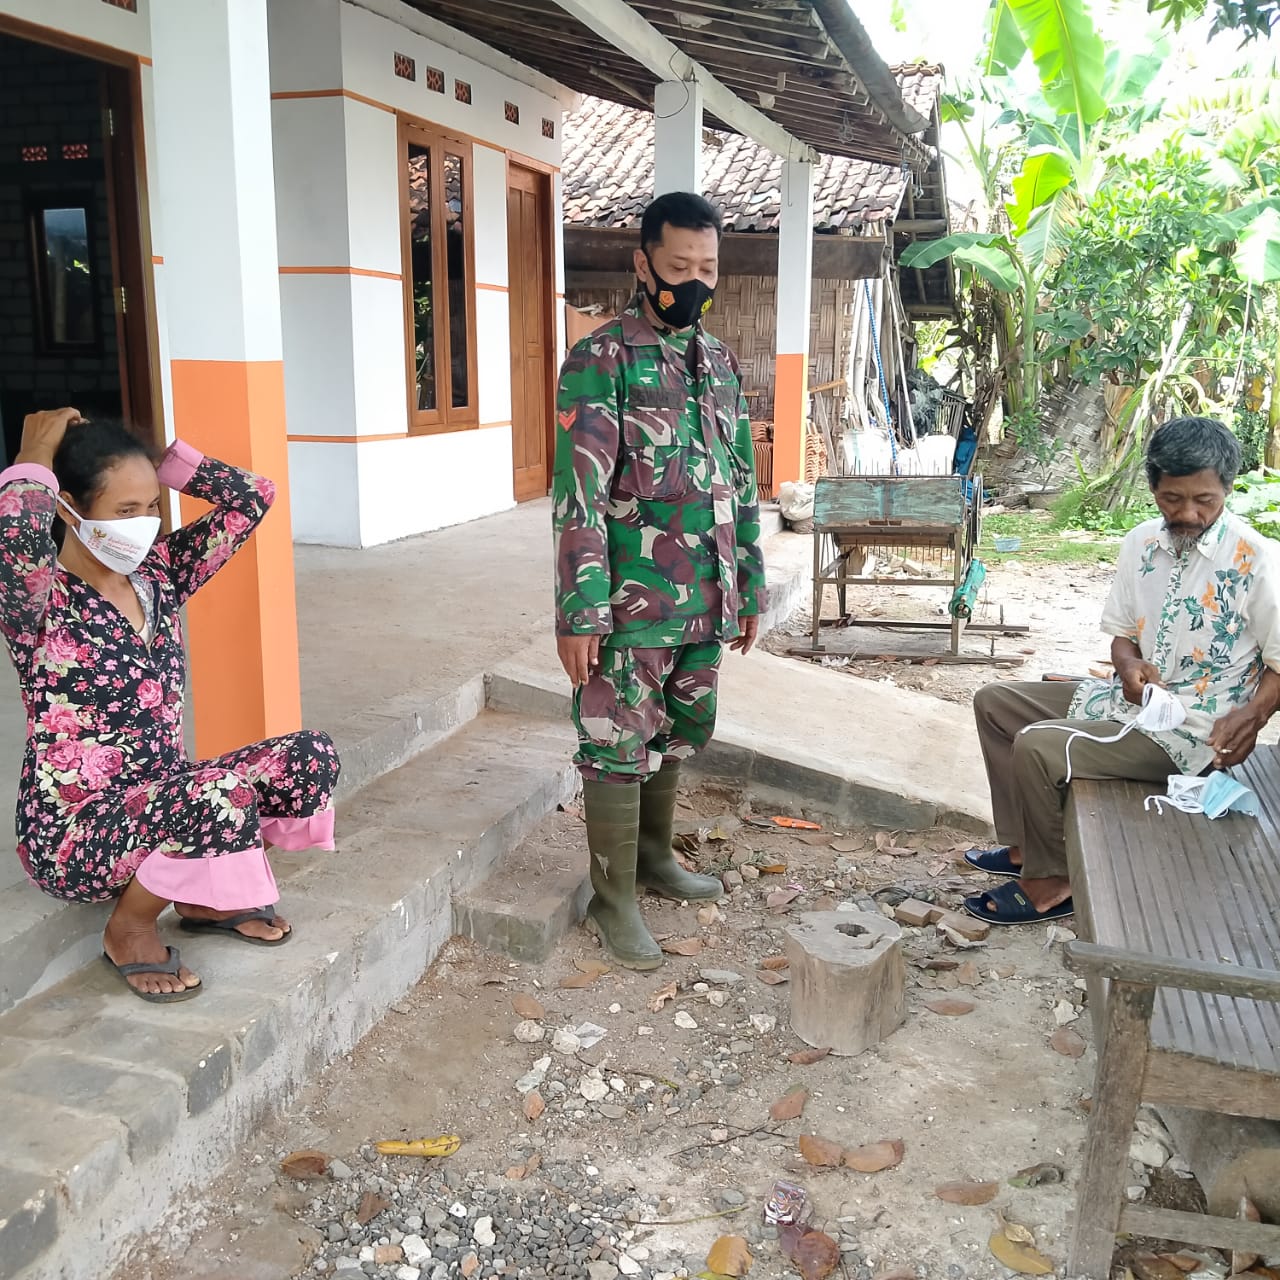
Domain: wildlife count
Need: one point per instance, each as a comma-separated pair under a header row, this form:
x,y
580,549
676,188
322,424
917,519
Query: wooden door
x,y
133,280
529,248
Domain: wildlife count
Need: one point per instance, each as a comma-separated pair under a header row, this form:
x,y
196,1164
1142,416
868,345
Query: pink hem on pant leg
x,y
232,882
314,832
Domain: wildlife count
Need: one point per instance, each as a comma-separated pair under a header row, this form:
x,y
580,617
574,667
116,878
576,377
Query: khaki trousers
x,y
1027,772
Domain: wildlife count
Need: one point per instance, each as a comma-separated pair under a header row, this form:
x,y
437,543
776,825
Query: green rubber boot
x,y
657,866
613,822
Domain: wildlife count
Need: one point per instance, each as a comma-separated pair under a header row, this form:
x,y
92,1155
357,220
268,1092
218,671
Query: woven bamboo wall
x,y
745,316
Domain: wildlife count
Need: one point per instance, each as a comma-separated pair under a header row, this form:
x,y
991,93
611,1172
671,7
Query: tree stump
x,y
848,979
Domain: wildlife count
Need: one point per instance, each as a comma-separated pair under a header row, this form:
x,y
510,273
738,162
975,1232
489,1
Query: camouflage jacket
x,y
657,521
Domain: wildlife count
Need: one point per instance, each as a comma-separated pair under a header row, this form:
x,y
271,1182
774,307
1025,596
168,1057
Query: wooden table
x,y
1182,959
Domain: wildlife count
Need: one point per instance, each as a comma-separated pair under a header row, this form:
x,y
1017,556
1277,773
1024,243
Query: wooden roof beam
x,y
619,24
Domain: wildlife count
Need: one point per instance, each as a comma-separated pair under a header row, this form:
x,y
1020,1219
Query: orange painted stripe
x,y
243,625
495,288
340,271
790,387
157,260
334,93
395,435
146,62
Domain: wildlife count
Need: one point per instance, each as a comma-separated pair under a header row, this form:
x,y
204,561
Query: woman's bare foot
x,y
250,928
132,939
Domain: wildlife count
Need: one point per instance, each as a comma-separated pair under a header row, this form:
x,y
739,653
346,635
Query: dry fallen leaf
x,y
797,824
661,996
847,844
773,869
577,981
950,1007
1184,1261
967,974
1151,1266
584,964
729,1256
1016,1231
707,916
305,1166
516,1172
1068,1042
533,1105
816,1255
780,899
968,1193
807,1057
775,962
790,1106
821,1152
940,963
446,1144
371,1204
1024,1258
528,1007
883,839
773,979
876,1156
683,947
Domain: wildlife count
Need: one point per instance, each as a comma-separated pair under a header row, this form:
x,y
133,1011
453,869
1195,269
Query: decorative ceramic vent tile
x,y
35,155
462,91
435,80
405,67
548,128
512,112
75,150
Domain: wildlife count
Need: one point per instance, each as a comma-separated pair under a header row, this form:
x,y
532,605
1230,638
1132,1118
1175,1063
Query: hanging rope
x,y
884,388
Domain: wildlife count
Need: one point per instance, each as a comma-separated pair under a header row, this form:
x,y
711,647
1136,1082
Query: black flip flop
x,y
169,968
995,862
229,926
1012,906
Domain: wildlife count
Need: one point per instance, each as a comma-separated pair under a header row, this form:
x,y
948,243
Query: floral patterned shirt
x,y
104,707
1208,620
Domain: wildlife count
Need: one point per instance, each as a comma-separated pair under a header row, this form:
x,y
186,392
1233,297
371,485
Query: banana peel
x,y
433,1148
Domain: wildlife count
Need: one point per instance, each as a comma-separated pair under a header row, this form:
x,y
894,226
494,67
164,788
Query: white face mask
x,y
121,545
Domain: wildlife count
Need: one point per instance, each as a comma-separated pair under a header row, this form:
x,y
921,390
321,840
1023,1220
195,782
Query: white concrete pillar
x,y
677,137
795,301
212,173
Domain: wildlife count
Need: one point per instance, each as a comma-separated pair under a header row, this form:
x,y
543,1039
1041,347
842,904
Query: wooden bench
x,y
1179,920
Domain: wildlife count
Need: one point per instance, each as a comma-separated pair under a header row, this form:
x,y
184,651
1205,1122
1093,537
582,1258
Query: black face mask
x,y
678,305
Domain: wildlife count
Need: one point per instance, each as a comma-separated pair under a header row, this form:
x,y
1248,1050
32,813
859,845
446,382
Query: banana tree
x,y
1083,88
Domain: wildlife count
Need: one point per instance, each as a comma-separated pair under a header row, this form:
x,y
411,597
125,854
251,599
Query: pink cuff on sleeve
x,y
178,465
30,471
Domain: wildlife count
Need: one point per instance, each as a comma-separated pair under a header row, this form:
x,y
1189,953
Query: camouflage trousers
x,y
643,706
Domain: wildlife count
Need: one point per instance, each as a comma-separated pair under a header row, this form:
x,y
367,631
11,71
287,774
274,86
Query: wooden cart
x,y
853,514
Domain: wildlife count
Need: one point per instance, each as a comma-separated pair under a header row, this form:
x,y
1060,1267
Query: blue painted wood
x,y
844,501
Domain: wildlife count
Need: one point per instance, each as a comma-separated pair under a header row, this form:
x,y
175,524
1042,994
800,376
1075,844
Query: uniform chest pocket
x,y
654,463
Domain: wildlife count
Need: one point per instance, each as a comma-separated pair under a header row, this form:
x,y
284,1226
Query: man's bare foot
x,y
1047,892
127,943
250,928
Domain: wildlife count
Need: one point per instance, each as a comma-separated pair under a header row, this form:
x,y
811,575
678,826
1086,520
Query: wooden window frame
x,y
445,417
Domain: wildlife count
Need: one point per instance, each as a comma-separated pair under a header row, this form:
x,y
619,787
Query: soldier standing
x,y
658,562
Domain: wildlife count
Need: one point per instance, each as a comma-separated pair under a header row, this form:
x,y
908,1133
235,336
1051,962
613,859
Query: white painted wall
x,y
338,207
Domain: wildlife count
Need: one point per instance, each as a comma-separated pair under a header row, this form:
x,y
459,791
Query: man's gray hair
x,y
1184,446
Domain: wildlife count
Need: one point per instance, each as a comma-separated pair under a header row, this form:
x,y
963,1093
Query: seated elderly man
x,y
1193,610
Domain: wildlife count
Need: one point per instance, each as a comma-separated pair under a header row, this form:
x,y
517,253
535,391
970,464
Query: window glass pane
x,y
68,283
459,295
421,275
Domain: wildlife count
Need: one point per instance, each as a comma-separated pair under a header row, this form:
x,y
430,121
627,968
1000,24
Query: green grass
x,y
1043,543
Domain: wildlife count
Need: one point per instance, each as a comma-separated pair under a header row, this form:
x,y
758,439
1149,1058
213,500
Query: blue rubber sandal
x,y
1007,904
995,862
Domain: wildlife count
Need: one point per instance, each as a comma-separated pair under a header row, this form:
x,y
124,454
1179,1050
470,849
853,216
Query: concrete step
x,y
42,940
533,896
115,1106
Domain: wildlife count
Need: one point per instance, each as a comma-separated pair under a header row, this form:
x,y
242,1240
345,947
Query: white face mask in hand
x,y
121,545
1160,712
